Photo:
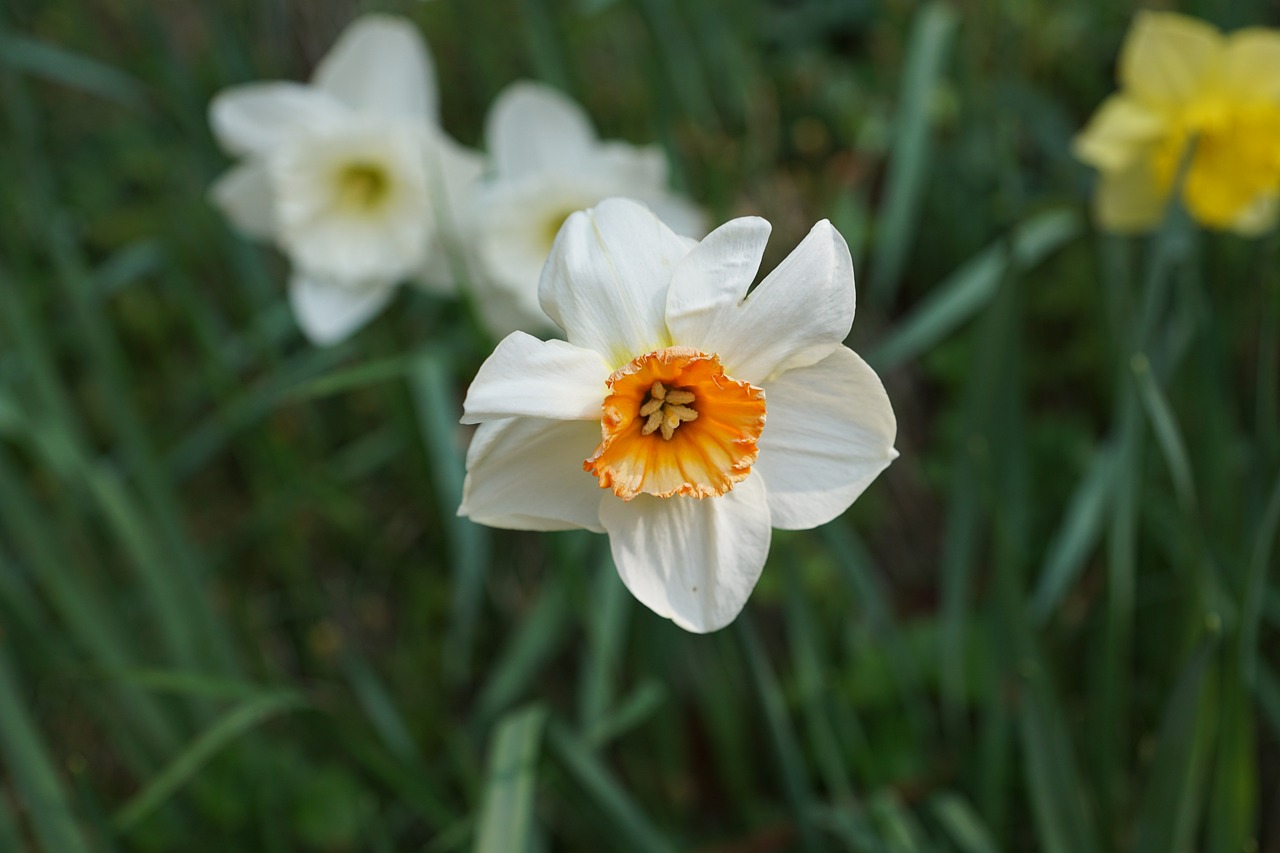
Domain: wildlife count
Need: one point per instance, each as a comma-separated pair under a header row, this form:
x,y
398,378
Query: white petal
x,y
797,316
692,560
641,166
324,233
532,127
328,313
606,280
380,64
243,194
258,117
452,173
539,379
828,432
713,279
526,474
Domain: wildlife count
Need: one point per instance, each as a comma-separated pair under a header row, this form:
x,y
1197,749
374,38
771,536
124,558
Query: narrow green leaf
x,y
59,65
631,711
1233,793
607,625
1057,793
224,730
506,821
811,677
1170,807
632,827
1168,435
928,49
967,290
31,769
786,750
900,831
469,543
1256,592
962,824
1080,530
380,708
529,648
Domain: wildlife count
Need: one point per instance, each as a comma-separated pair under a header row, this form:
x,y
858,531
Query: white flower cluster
x,y
355,181
680,414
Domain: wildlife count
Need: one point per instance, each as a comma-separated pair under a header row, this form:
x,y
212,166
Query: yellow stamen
x,y
674,424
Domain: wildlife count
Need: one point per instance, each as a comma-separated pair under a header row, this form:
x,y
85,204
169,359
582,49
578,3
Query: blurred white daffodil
x,y
681,416
547,162
350,175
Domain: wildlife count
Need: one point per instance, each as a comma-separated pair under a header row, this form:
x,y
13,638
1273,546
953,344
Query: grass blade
x,y
1056,791
632,826
786,750
438,414
32,771
962,824
928,48
506,821
967,290
231,725
1080,530
1169,812
59,65
607,629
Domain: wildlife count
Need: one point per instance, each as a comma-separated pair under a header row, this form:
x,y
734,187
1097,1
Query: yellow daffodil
x,y
680,416
1183,83
348,175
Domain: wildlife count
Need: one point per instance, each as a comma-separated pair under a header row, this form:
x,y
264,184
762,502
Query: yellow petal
x,y
1167,58
1119,131
1128,200
1251,65
1258,218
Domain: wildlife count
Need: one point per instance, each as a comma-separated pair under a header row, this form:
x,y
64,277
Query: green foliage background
x,y
237,611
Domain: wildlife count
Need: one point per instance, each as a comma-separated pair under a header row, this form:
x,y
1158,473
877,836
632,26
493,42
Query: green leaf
x,y
1168,435
967,290
1079,532
786,750
469,543
529,648
962,824
59,65
1170,807
506,821
31,770
928,48
229,726
632,828
1057,792
1259,561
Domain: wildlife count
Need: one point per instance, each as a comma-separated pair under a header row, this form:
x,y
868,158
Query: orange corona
x,y
675,424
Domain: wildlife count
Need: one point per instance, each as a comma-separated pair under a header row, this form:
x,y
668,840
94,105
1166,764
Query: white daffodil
x,y
680,416
547,162
350,176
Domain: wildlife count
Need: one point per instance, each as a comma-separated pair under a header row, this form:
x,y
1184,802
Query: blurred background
x,y
237,611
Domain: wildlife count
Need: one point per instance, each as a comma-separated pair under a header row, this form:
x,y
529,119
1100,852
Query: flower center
x,y
1236,161
362,185
666,410
674,424
552,224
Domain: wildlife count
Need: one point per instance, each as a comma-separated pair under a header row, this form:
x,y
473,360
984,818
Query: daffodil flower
x,y
547,162
680,415
350,175
1184,83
